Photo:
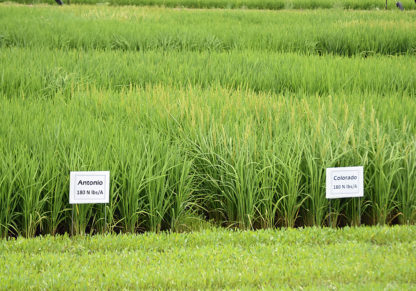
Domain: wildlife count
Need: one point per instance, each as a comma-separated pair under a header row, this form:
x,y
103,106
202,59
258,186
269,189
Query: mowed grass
x,y
312,258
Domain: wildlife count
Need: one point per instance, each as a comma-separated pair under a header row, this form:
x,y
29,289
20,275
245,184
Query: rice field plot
x,y
244,4
37,72
334,32
219,154
223,117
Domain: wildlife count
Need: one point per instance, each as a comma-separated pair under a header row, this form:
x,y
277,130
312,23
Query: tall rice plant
x,y
290,187
184,204
384,165
32,195
269,191
9,173
230,178
406,181
131,177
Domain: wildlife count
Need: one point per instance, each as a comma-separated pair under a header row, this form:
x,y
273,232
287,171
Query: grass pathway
x,y
311,258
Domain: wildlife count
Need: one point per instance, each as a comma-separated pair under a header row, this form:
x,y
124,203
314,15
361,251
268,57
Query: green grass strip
x,y
311,258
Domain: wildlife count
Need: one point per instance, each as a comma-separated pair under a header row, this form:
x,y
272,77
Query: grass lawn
x,y
365,258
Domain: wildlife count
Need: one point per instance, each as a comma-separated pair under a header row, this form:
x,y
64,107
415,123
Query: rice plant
x,y
351,33
200,116
245,4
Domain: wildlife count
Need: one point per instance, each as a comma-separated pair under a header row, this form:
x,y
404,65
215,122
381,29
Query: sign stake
x,y
330,224
105,218
345,182
72,221
89,187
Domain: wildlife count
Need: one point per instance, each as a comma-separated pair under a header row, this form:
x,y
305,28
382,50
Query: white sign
x,y
344,182
89,187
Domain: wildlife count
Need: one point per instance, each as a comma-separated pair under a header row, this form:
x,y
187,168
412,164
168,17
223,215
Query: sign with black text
x,y
346,182
89,187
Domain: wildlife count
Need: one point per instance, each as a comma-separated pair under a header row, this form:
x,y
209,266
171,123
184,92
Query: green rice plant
x,y
23,72
245,189
132,181
269,195
238,4
334,212
78,218
158,197
320,153
31,195
168,187
56,204
184,204
233,157
347,153
205,176
219,177
384,160
361,33
227,115
317,204
407,185
49,149
83,216
8,187
107,215
290,183
353,208
113,217
230,177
